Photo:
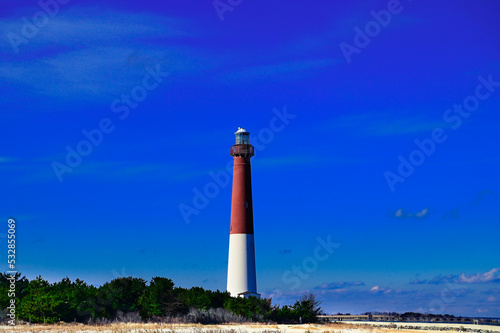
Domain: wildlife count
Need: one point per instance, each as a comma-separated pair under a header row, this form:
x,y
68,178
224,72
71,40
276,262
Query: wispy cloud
x,y
339,285
4,159
403,213
381,124
481,196
274,70
132,170
439,279
39,169
381,297
490,276
87,26
486,277
380,290
93,71
83,52
476,200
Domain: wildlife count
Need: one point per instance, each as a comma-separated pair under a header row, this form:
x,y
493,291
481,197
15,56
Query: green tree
x,y
308,308
39,304
160,299
72,299
282,314
39,300
21,283
251,307
7,294
121,294
217,298
197,297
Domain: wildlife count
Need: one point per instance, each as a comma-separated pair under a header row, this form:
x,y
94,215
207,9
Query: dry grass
x,y
111,328
198,328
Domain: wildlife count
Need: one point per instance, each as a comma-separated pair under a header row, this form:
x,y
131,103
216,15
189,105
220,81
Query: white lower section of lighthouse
x,y
241,273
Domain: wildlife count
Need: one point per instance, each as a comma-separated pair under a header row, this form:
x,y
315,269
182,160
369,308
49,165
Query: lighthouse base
x,y
241,273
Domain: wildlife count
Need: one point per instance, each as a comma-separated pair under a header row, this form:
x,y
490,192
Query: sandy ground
x,y
426,326
345,327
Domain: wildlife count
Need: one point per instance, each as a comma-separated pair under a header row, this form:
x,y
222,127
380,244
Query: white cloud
x,y
403,213
490,276
380,290
422,213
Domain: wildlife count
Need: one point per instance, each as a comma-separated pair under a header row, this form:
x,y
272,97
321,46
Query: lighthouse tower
x,y
241,275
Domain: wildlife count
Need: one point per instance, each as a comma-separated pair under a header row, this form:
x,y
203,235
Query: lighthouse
x,y
241,274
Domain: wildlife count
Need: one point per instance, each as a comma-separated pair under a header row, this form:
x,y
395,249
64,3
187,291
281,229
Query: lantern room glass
x,y
243,138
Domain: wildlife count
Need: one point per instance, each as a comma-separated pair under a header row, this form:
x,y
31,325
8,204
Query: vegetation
x,y
133,299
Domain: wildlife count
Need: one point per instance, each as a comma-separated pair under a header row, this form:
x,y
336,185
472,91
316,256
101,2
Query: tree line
x,y
134,299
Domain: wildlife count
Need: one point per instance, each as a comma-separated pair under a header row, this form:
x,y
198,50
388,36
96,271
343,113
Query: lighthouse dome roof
x,y
241,130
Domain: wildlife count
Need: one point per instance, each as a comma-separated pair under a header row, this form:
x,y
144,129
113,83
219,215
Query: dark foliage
x,y
124,299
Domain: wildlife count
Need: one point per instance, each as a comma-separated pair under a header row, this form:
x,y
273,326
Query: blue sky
x,y
375,176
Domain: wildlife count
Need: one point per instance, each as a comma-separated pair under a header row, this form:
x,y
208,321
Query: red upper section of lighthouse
x,y
242,206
